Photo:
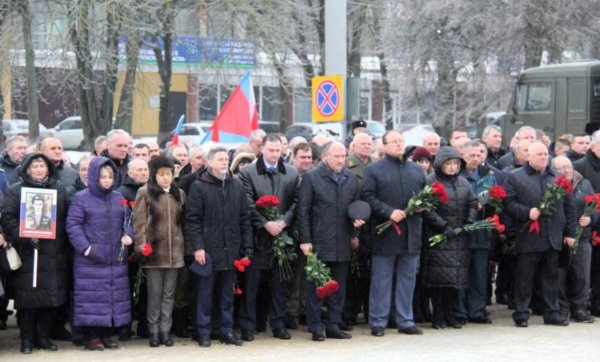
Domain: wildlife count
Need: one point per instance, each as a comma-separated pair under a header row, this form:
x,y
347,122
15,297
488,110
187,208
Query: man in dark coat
x,y
136,177
81,182
589,168
574,281
11,158
524,133
118,142
538,251
325,194
269,175
580,144
492,136
388,186
357,294
218,224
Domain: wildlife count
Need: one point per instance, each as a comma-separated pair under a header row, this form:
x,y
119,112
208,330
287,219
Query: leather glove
x,y
35,243
450,233
247,253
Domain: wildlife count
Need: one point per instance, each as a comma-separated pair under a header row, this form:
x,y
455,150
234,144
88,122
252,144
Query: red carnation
x,y
237,291
438,189
132,203
501,229
332,287
123,202
267,201
241,264
444,198
321,292
497,192
130,258
589,198
245,262
147,250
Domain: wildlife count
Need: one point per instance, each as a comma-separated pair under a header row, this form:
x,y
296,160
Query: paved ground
x,y
499,341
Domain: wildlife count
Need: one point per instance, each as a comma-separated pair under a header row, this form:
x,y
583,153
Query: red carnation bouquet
x,y
126,222
490,223
497,195
320,274
283,244
241,264
592,205
140,276
595,239
559,189
429,198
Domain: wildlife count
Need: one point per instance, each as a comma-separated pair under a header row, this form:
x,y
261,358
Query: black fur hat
x,y
159,162
154,165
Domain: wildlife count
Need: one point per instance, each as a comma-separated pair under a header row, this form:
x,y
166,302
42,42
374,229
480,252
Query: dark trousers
x,y
595,278
505,280
384,268
3,306
248,308
295,298
574,281
224,284
76,331
90,333
35,323
546,264
471,301
358,283
335,302
443,301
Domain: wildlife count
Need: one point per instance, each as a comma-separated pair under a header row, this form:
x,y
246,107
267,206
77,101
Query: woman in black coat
x,y
37,305
446,265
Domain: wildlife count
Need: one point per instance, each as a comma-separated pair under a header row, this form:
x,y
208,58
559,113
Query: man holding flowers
x,y
388,186
539,236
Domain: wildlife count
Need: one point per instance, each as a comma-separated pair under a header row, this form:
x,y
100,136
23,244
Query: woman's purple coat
x,y
101,292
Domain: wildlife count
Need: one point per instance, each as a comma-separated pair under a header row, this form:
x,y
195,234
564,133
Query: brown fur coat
x,y
158,222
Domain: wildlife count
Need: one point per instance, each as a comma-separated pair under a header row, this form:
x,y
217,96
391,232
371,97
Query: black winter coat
x,y
53,268
185,183
8,165
322,212
218,219
525,189
388,185
259,182
447,264
73,189
121,164
581,189
493,158
129,188
589,167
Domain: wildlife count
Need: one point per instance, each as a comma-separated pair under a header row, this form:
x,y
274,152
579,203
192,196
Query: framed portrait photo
x,y
38,213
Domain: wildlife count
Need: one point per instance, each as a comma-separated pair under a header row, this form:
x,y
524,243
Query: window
x,y
273,104
189,131
534,97
302,105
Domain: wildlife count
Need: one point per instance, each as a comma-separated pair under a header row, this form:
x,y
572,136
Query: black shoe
x,y
345,327
318,336
60,334
247,335
439,325
377,331
337,334
204,340
461,320
46,345
480,320
231,338
350,321
78,342
26,347
486,312
194,335
3,326
281,333
521,323
125,334
453,323
302,320
556,322
582,316
290,323
154,340
411,331
165,338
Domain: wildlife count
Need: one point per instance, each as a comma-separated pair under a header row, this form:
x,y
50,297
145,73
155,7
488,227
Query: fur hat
x,y
159,162
238,159
421,152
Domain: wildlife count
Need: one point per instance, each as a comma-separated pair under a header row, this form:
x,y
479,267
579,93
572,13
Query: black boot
x,y
154,340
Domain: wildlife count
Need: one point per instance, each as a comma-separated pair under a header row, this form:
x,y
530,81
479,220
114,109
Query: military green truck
x,y
558,99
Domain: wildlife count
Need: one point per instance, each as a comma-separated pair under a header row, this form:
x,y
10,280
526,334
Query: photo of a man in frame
x,y
38,218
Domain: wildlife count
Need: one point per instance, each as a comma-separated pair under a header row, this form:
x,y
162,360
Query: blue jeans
x,y
224,282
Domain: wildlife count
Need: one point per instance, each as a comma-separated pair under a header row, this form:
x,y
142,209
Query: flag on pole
x,y
238,117
175,141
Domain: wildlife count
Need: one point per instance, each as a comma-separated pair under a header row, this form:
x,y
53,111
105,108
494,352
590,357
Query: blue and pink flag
x,y
238,117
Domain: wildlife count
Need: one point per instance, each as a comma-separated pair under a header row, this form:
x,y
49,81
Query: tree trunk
x,y
125,111
32,98
111,70
387,97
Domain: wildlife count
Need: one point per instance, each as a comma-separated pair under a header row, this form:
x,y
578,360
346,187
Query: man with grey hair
x,y
100,145
256,140
432,143
526,133
492,136
11,158
223,236
118,143
589,167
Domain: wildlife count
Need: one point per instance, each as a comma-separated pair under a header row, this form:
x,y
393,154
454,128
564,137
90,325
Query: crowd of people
x,y
176,240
